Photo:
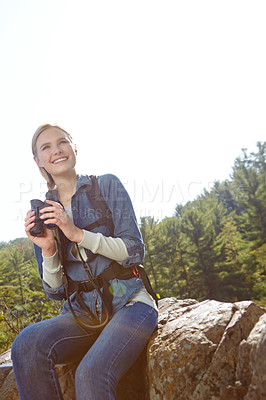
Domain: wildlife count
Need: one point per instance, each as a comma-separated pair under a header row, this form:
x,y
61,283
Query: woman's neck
x,y
66,186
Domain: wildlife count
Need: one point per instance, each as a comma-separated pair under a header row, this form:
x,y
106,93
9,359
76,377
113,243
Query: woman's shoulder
x,y
108,180
107,177
111,186
108,183
85,179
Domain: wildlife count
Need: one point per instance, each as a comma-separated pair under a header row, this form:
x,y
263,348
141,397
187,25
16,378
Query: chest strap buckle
x,y
135,272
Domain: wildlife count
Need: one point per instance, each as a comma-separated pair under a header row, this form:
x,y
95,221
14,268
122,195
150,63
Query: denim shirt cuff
x,y
135,251
54,293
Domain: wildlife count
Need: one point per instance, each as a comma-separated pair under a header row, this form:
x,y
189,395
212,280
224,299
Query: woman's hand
x,y
55,214
45,242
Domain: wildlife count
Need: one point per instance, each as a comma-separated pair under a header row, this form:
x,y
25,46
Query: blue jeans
x,y
104,358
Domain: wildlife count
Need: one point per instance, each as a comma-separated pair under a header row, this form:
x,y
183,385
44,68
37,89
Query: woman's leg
x,y
113,353
39,347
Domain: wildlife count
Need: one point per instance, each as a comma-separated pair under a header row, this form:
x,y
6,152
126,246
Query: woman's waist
x,y
121,291
75,269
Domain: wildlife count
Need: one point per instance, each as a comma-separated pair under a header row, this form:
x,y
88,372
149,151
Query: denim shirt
x,y
125,227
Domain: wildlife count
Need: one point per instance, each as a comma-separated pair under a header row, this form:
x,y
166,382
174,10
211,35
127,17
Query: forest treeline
x,y
215,246
212,248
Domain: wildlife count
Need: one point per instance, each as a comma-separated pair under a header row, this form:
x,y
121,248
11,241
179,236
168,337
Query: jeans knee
x,y
19,350
20,345
84,373
89,372
24,347
95,379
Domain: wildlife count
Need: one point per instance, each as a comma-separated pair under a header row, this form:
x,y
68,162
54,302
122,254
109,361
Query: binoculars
x,y
38,228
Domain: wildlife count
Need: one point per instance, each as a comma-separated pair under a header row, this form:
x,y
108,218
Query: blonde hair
x,y
48,177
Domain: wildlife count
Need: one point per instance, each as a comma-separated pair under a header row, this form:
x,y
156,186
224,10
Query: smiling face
x,y
55,152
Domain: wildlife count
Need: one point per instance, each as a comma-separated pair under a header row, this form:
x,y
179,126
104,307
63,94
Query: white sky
x,y
164,94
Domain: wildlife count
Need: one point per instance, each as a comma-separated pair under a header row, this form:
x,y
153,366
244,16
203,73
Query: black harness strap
x,y
115,270
100,222
100,206
146,282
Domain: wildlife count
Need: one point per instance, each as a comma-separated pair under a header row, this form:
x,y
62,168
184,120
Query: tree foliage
x,y
213,247
22,298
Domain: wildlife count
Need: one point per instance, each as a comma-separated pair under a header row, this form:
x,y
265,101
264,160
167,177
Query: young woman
x,y
106,354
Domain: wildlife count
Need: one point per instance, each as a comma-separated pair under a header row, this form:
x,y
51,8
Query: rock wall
x,y
201,351
208,351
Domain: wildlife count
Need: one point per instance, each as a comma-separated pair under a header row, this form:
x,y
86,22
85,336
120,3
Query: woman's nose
x,y
57,149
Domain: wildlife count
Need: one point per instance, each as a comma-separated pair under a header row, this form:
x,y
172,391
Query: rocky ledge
x,y
201,351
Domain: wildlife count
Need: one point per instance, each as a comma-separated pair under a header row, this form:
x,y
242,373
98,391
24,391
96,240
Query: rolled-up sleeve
x,y
57,293
135,251
54,293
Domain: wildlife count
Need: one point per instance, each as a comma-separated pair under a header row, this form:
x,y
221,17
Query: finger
x,y
29,219
53,218
29,213
28,228
51,209
58,215
29,223
52,221
53,203
47,210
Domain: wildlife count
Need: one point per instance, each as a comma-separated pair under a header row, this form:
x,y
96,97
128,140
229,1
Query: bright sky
x,y
164,94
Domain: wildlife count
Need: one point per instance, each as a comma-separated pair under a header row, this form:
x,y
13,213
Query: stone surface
x,y
195,353
201,351
8,389
251,368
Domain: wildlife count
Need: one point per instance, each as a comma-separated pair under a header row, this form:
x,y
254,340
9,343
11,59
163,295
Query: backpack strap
x,y
100,206
147,283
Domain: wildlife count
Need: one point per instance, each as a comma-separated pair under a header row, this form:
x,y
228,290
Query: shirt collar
x,y
82,181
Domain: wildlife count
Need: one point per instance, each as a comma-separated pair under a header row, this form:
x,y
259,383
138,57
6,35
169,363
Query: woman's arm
x,y
113,248
48,274
52,270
